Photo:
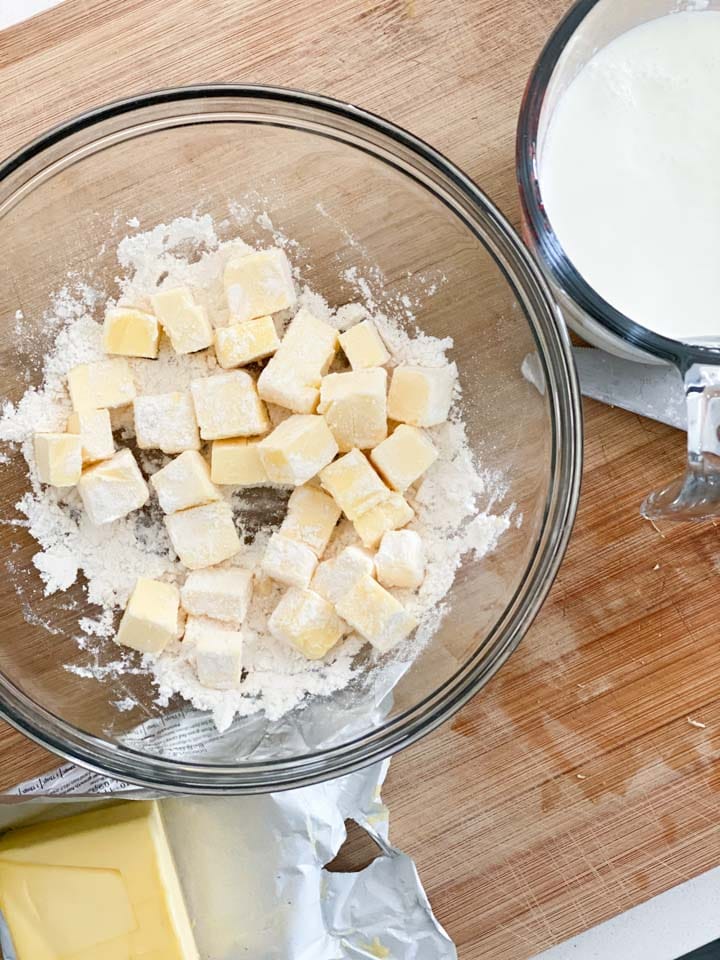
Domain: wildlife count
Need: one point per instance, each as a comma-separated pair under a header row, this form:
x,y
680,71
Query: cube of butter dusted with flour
x,y
375,614
289,561
95,431
404,457
355,407
185,322
311,518
297,449
333,578
216,650
307,622
421,396
258,283
58,458
237,462
222,593
400,561
228,405
102,384
130,333
390,514
203,536
150,620
243,343
292,376
184,482
166,421
353,484
363,346
113,488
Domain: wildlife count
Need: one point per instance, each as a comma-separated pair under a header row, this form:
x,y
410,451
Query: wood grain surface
x,y
575,786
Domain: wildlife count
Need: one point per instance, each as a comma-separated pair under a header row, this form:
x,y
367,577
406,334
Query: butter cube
x,y
150,620
58,458
311,518
391,514
105,383
184,482
223,594
400,561
217,652
363,346
243,343
292,377
184,321
95,432
237,461
307,622
228,405
113,488
297,449
375,614
333,578
203,536
355,407
421,396
166,421
289,561
404,457
259,283
354,485
350,314
130,333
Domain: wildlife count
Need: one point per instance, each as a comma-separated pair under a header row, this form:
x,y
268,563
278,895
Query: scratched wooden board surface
x,y
574,786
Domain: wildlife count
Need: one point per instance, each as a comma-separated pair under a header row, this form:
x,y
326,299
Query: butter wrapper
x,y
253,868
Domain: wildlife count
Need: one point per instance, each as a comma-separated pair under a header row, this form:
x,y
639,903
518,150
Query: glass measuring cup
x,y
587,27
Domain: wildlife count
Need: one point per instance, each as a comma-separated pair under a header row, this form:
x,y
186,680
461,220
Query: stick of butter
x,y
100,884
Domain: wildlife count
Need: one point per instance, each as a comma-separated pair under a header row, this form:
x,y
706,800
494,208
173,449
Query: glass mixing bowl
x,y
587,27
64,204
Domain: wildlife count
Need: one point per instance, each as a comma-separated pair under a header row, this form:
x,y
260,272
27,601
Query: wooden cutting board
x,y
574,786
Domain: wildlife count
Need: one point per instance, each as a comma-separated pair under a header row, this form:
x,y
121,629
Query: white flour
x,y
112,557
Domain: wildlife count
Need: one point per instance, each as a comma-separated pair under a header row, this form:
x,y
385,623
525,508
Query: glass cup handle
x,y
696,495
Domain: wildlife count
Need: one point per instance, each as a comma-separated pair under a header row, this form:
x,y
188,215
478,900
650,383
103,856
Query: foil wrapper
x,y
253,868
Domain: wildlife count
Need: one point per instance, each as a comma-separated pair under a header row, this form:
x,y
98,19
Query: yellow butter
x,y
333,578
307,621
203,536
58,458
288,561
311,518
400,560
228,405
184,482
421,396
363,346
166,421
243,343
354,485
95,431
150,620
375,614
258,283
184,321
113,488
97,886
355,407
297,449
130,333
404,457
216,648
390,514
219,593
237,461
104,383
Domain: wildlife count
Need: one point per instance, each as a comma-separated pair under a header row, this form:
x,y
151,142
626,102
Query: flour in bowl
x,y
271,661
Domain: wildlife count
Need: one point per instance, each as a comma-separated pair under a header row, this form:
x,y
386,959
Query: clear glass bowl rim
x,y
175,776
541,235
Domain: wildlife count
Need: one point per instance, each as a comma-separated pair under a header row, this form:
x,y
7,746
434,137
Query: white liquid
x,y
630,174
